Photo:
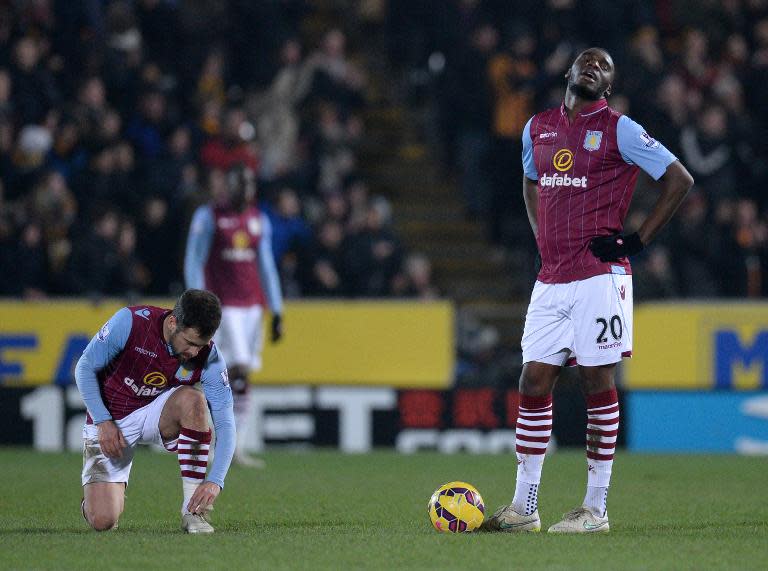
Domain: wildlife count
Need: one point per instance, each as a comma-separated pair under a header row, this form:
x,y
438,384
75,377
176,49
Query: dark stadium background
x,y
371,123
386,138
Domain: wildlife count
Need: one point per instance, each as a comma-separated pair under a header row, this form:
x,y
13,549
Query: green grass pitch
x,y
324,510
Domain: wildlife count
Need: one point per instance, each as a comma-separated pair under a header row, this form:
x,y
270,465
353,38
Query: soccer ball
x,y
456,507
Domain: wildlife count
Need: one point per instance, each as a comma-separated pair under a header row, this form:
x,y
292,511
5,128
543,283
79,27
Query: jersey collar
x,y
598,105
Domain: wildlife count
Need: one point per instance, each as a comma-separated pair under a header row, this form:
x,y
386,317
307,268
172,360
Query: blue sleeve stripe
x,y
219,396
529,166
88,385
637,147
104,347
268,270
198,247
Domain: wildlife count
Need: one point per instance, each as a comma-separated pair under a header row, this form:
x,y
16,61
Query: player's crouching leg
x,y
186,415
102,505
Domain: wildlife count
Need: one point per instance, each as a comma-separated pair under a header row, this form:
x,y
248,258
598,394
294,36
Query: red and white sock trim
x,y
602,430
192,448
534,427
602,425
534,424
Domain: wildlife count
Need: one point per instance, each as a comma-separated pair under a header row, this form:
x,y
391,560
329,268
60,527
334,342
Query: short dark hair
x,y
198,309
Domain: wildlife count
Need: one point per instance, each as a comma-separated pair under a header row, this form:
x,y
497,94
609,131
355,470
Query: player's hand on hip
x,y
277,327
203,497
111,439
613,248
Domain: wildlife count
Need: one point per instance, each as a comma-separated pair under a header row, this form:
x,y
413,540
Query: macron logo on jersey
x,y
143,313
143,351
554,180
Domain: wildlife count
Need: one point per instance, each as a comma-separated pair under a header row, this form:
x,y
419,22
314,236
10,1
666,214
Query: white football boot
x,y
194,523
581,520
508,520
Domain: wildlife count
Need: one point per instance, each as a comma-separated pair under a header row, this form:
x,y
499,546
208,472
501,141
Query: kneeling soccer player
x,y
136,378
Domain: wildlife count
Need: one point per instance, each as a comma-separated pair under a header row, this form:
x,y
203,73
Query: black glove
x,y
612,248
277,327
537,263
239,385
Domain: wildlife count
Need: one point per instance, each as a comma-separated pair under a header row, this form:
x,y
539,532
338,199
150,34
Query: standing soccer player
x,y
581,162
229,252
136,377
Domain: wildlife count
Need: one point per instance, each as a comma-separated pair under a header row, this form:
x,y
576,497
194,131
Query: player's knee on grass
x,y
103,503
101,518
102,522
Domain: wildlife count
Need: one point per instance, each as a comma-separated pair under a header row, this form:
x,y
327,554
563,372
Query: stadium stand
x,y
383,176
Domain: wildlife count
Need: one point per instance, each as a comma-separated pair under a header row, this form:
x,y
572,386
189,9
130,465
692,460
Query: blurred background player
x,y
136,377
229,252
581,161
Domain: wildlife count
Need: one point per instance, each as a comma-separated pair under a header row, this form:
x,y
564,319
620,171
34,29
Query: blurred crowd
x,y
694,74
118,118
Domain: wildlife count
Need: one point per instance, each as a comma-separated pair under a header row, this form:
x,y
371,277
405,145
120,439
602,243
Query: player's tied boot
x,y
195,523
506,519
581,520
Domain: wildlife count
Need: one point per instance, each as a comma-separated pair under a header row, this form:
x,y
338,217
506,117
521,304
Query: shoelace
x,y
199,518
574,514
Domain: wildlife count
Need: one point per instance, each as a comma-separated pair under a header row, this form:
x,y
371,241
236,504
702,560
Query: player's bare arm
x,y
530,195
675,184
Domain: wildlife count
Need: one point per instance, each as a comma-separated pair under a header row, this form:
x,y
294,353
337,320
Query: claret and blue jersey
x,y
586,171
128,364
230,254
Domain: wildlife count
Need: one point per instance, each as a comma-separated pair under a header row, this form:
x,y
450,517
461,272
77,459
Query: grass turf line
x,y
325,510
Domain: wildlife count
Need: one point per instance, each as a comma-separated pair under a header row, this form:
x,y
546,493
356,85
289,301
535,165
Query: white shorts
x,y
588,320
239,337
141,426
